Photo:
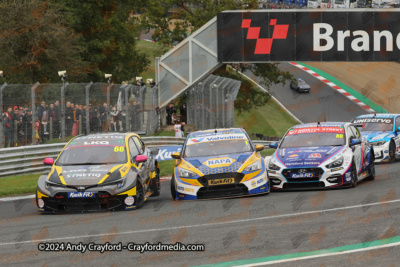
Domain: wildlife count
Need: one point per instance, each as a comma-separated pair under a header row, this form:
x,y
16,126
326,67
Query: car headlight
x,y
336,163
273,166
186,173
380,143
254,166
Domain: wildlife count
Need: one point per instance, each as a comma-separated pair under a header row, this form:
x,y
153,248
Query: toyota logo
x,y
81,188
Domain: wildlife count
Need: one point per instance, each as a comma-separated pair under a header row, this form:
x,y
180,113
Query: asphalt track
x,y
231,229
323,103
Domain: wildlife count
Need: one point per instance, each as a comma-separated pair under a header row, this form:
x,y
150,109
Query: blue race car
x,y
382,132
320,155
218,163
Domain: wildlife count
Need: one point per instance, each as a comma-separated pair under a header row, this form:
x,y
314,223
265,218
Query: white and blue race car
x,y
320,155
382,132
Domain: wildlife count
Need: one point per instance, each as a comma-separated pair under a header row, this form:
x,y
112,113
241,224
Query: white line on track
x,y
321,255
205,224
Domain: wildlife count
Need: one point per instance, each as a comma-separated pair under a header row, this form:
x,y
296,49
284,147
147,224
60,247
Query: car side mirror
x,y
355,142
273,145
48,161
141,158
176,155
259,147
154,151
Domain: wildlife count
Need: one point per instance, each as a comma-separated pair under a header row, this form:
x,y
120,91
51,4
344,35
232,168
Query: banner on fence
x,y
309,35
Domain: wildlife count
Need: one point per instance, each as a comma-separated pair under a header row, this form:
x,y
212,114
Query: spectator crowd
x,y
17,121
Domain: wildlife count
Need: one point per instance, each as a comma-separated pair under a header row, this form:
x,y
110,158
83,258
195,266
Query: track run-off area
x,y
346,227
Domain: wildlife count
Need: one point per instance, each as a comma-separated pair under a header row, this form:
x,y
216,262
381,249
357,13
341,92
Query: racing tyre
x,y
155,184
139,195
173,191
392,152
354,178
372,168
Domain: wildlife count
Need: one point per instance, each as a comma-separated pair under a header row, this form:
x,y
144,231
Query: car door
x,y
357,149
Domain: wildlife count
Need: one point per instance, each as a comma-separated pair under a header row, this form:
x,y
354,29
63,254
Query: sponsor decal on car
x,y
315,155
316,130
294,156
81,194
217,138
260,181
253,183
191,190
302,175
219,162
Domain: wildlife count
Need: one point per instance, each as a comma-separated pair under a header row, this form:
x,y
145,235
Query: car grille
x,y
227,190
318,173
62,202
303,185
218,191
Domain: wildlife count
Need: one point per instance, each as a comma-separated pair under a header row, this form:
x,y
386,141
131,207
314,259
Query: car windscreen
x,y
374,124
93,151
220,147
314,137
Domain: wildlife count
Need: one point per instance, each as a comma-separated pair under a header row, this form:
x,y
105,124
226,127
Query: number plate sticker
x,y
81,194
302,175
221,181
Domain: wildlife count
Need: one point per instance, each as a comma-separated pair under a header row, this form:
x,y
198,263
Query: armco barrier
x,y
29,159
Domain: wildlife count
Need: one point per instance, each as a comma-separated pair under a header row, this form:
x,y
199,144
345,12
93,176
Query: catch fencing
x,y
54,112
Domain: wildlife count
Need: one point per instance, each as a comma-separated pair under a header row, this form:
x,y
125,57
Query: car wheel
x,y
139,195
155,184
392,152
354,178
173,191
372,168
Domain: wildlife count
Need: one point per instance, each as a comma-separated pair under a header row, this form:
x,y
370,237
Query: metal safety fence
x,y
29,159
47,113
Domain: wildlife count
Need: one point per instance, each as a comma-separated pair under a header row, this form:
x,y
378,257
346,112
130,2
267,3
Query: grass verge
x,y
270,120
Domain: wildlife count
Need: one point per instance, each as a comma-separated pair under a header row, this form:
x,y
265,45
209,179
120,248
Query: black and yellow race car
x,y
107,171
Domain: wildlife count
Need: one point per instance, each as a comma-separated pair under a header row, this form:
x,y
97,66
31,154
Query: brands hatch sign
x,y
309,35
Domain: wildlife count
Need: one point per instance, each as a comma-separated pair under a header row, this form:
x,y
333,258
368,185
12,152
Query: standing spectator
x,y
57,124
114,119
28,126
178,128
69,119
9,128
20,128
171,110
53,119
122,120
43,128
104,116
152,84
40,110
83,115
183,111
96,120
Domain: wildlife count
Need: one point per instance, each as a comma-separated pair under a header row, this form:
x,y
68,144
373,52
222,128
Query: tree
x,y
108,36
171,21
36,42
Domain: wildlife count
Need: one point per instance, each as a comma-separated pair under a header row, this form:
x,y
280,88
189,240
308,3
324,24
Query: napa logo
x,y
219,162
